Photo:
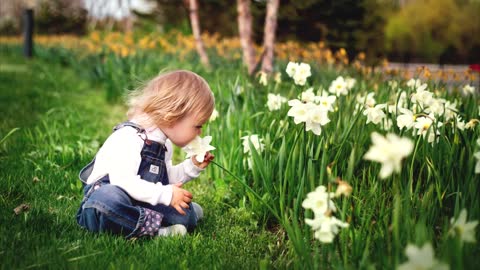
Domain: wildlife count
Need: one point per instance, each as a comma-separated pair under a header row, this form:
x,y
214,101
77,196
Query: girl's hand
x,y
180,198
208,157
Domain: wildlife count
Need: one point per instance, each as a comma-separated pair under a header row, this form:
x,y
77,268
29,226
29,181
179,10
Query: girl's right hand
x,y
180,198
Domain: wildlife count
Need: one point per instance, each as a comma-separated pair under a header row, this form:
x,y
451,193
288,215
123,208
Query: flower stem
x,y
249,189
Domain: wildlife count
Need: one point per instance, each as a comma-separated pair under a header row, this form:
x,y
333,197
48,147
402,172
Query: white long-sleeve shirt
x,y
120,158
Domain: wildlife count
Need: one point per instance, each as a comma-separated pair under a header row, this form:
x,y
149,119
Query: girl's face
x,y
183,131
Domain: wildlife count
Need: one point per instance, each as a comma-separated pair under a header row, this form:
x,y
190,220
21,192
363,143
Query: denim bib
x,y
152,167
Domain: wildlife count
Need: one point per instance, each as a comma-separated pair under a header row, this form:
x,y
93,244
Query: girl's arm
x,y
182,172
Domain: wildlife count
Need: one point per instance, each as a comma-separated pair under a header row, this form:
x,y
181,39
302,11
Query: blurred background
x,y
413,31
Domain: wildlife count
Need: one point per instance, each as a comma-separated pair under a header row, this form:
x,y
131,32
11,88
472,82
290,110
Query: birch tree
x,y
245,34
194,21
269,35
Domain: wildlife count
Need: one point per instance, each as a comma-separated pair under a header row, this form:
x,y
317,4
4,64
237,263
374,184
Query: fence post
x,y
28,32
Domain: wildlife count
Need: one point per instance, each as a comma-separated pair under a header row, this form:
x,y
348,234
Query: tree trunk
x,y
245,33
269,35
193,9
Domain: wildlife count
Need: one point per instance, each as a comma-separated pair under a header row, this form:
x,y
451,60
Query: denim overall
x,y
108,208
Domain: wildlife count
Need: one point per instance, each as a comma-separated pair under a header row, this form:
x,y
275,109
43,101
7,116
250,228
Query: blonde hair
x,y
169,97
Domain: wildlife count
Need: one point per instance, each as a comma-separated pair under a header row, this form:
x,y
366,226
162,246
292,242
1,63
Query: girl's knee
x,y
110,195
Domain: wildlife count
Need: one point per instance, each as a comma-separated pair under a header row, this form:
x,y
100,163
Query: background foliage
x,y
442,31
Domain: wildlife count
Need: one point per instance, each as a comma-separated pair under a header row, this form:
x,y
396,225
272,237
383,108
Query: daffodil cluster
x,y
274,102
325,225
421,112
311,110
341,86
299,72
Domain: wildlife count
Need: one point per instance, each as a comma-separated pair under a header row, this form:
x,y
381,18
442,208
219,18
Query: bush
x,y
434,31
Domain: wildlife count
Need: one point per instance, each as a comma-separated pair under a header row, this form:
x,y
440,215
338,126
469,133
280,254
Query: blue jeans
x,y
108,208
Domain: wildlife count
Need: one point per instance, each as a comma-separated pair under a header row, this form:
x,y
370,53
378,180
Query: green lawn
x,y
55,115
62,119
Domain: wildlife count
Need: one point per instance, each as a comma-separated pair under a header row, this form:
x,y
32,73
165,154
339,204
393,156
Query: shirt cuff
x,y
166,195
191,170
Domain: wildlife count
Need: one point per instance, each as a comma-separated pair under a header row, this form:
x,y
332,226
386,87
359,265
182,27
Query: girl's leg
x,y
172,217
108,208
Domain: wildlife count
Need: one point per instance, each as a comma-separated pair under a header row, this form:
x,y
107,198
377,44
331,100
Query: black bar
x,y
28,33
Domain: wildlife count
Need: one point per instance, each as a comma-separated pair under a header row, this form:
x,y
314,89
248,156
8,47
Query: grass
x,y
253,201
61,121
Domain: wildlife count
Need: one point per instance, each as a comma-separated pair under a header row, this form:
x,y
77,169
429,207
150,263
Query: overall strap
x,y
129,124
87,170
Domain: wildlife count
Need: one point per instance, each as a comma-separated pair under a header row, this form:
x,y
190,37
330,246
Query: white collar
x,y
153,133
156,134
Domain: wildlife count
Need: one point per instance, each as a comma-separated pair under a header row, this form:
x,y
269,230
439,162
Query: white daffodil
x,y
406,119
423,124
299,72
298,111
463,229
238,90
319,201
199,147
392,84
450,110
350,82
325,227
460,123
214,115
367,100
263,78
468,90
255,141
278,77
326,101
412,83
308,95
389,151
324,224
318,117
314,116
375,114
338,87
291,69
422,96
275,102
302,73
421,259
437,106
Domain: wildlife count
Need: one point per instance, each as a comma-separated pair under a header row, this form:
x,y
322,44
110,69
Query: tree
x,y
269,36
245,33
193,12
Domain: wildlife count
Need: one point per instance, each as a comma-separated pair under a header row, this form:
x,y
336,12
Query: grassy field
x,y
61,121
269,203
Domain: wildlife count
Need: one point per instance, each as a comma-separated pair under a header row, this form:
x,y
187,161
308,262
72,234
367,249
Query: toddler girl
x,y
131,186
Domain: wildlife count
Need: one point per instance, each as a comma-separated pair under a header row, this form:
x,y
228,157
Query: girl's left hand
x,y
206,160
